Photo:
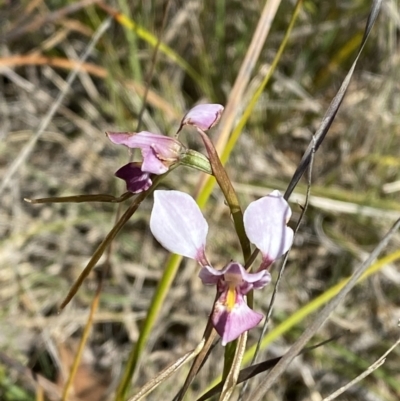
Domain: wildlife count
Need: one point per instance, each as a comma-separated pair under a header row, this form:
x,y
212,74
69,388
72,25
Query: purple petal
x,y
265,224
178,224
136,180
230,323
203,116
234,274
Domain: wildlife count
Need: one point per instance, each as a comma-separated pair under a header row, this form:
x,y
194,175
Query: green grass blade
x,y
151,317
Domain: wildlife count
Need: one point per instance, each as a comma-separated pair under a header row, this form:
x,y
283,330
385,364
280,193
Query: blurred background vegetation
x,y
43,248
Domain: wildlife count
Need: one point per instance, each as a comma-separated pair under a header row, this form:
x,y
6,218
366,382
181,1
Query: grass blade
x,y
82,198
233,374
210,334
167,372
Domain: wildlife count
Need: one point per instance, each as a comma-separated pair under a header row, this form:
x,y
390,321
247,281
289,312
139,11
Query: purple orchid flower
x,y
178,224
159,153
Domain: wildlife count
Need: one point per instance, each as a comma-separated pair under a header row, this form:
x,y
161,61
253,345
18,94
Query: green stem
x,y
152,314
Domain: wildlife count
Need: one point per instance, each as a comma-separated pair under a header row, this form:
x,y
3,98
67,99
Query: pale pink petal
x,y
178,224
265,224
210,276
203,116
136,180
231,324
120,138
151,163
143,139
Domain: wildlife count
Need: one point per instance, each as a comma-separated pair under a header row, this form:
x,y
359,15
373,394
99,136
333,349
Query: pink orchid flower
x,y
178,224
159,153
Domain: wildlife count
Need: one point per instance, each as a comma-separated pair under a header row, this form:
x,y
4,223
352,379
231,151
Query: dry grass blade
x,y
82,198
167,372
209,334
56,62
253,370
75,365
233,375
334,106
363,375
25,152
321,318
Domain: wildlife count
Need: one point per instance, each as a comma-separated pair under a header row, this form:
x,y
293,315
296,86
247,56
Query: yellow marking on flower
x,y
230,297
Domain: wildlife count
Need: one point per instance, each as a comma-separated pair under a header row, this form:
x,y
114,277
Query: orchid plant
x,y
178,224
